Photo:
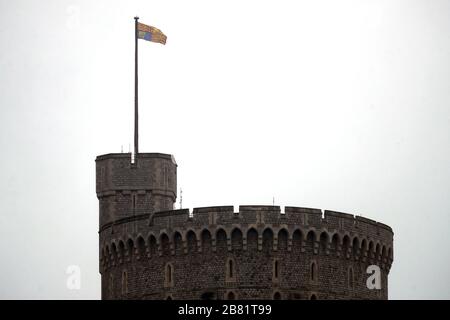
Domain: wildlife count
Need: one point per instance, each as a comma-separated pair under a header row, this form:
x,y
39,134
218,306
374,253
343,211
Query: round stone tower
x,y
150,251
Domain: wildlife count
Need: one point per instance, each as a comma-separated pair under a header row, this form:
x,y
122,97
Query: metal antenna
x,y
121,149
133,155
181,198
273,201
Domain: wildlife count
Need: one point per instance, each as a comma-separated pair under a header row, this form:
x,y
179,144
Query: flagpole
x,y
136,137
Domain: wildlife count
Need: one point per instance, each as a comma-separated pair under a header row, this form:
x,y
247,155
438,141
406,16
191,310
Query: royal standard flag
x,y
151,33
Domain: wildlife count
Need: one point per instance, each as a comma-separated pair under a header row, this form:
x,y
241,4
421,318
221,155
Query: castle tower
x,y
127,189
148,250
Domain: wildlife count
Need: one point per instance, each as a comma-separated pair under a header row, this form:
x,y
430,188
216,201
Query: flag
x,y
150,33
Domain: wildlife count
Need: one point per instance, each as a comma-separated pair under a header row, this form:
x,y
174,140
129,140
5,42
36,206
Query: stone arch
x,y
230,295
168,275
277,295
276,270
236,239
335,243
130,249
313,271
206,240
345,246
370,250
310,241
178,243
355,247
390,254
191,240
297,240
313,297
350,277
121,251
252,239
377,251
363,252
140,247
152,245
124,283
324,240
230,270
383,254
114,253
267,240
221,240
164,244
283,239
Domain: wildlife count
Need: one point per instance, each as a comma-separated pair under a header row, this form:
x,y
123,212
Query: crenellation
x,y
218,209
337,214
256,208
302,210
201,217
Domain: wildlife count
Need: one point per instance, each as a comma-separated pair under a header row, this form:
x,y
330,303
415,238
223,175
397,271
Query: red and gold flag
x,y
150,33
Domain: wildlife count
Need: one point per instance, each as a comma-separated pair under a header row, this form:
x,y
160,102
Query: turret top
x,y
140,156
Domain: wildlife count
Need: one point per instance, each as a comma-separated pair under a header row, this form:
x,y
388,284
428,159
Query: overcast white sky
x,y
341,105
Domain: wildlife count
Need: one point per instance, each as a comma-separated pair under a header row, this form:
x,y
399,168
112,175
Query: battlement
x,y
275,212
260,216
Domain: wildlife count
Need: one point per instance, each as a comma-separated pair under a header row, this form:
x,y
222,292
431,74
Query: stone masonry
x,y
150,251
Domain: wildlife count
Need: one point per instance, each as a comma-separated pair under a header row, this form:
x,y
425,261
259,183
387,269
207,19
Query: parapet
x,y
262,217
324,230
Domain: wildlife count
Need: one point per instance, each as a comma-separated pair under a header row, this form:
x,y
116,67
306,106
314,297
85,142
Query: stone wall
x,y
137,252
